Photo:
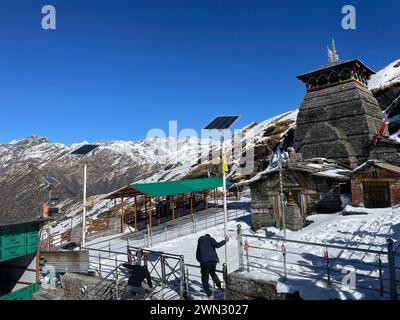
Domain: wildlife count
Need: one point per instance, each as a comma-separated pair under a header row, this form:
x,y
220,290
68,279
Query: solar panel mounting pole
x,y
84,205
224,194
221,124
82,151
51,182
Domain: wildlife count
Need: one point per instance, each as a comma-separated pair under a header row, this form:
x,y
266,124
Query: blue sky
x,y
114,69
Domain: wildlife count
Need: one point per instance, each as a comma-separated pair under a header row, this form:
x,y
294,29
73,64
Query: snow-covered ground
x,y
112,251
363,231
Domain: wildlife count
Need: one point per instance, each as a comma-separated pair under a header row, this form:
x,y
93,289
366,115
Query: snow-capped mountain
x,y
40,151
114,164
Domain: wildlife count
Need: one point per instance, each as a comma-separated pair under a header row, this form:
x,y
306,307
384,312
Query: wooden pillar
x,y
122,215
158,209
183,204
38,254
169,201
173,208
205,202
135,212
145,210
150,215
191,203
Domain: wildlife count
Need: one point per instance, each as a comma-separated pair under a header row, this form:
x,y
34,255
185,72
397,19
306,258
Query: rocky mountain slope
x,y
385,85
114,164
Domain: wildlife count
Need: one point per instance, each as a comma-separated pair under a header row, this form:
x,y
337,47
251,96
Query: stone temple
x,y
340,126
339,117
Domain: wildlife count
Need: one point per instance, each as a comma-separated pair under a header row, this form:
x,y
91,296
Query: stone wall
x,y
338,123
322,195
75,286
241,286
386,150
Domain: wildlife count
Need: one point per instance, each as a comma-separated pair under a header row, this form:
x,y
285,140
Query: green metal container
x,y
17,241
22,294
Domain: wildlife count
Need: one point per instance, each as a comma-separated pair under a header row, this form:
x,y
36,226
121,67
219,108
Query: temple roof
x,y
335,65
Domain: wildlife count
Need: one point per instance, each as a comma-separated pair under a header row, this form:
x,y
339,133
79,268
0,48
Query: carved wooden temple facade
x,y
375,184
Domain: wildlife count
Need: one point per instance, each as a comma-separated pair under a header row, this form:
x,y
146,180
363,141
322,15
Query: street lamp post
x,y
221,124
224,191
82,151
84,205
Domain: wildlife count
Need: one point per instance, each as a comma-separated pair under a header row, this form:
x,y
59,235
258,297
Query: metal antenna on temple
x,y
332,53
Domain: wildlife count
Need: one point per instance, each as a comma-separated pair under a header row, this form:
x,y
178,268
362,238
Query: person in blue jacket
x,y
206,255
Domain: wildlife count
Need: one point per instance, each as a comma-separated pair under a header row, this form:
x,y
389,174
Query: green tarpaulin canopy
x,y
168,188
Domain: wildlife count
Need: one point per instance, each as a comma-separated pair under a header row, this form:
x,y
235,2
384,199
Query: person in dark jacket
x,y
206,255
136,287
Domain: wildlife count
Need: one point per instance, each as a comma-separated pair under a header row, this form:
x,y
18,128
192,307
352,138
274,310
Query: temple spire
x,y
332,54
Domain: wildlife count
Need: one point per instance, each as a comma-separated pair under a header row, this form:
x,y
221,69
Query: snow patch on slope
x,y
385,77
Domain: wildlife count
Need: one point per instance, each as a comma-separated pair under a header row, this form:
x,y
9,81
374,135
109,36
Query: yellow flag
x,y
225,164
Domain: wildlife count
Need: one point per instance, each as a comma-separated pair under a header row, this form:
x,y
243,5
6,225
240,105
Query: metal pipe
x,y
240,248
282,201
392,271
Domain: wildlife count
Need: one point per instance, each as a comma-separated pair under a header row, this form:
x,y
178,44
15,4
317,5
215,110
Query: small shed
x,y
312,186
375,184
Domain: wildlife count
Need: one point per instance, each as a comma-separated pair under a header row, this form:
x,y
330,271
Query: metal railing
x,y
194,287
172,278
374,270
167,270
110,287
170,230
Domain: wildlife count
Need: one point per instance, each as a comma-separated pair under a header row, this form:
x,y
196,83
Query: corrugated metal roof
x,y
71,261
8,219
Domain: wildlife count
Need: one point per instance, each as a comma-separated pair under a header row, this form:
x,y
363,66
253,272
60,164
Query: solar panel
x,y
222,122
85,149
53,182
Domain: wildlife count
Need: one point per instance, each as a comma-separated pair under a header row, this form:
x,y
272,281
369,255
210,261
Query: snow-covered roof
x,y
318,167
377,163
